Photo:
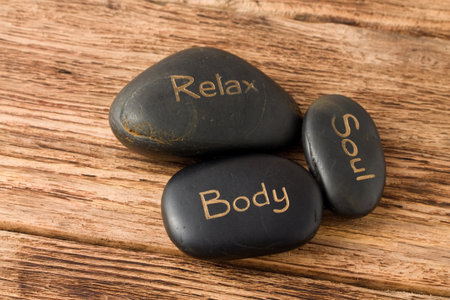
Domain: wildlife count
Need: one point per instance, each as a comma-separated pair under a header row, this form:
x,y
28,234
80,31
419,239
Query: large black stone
x,y
204,101
209,209
344,152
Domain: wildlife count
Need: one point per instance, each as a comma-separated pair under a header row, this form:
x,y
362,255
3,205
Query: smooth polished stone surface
x,y
241,207
204,101
344,153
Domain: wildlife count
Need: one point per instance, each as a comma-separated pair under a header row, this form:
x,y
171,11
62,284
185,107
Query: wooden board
x,y
37,267
418,17
63,175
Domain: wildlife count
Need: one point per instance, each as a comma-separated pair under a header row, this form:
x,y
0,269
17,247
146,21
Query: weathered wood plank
x,y
418,17
64,175
37,267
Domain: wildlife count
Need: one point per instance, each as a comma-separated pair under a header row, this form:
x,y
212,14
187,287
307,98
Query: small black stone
x,y
241,207
204,101
344,153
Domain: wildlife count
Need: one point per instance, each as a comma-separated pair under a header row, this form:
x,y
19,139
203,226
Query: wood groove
x,y
390,16
84,264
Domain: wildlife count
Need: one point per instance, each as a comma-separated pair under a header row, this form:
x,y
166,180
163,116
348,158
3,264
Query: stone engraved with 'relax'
x,y
204,101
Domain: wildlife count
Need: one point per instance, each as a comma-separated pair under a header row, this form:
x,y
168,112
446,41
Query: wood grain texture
x,y
63,174
37,267
417,17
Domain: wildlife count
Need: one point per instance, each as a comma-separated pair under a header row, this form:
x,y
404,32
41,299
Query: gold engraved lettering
x,y
215,200
285,198
241,209
182,88
261,193
344,143
364,177
344,147
355,169
211,87
250,86
219,84
347,125
234,84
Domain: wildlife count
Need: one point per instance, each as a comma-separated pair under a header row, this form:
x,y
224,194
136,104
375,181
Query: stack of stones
x,y
206,102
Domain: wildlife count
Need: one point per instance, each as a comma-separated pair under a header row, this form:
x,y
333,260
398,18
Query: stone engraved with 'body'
x,y
259,199
208,88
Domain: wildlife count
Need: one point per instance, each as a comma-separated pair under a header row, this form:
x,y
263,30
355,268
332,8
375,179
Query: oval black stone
x,y
344,153
204,101
241,207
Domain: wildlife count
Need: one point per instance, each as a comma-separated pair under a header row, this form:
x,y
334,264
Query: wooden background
x,y
80,214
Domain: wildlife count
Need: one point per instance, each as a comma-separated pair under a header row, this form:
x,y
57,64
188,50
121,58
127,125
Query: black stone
x,y
205,229
344,153
229,106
